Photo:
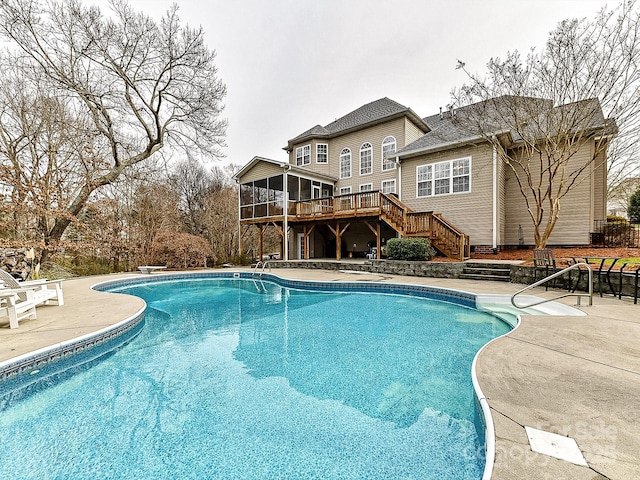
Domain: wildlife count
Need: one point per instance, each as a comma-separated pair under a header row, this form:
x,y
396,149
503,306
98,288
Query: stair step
x,y
487,271
478,276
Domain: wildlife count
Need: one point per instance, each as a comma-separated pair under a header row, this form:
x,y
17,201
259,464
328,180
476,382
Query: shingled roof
x,y
371,113
448,129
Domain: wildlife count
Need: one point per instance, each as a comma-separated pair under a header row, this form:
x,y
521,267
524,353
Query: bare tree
x,y
193,182
221,221
142,84
541,111
39,138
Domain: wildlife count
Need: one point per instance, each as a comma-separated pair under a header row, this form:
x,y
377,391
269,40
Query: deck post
x,y
305,242
376,232
336,233
283,241
260,252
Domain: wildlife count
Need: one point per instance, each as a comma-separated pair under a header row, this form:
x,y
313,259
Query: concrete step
x,y
506,272
479,276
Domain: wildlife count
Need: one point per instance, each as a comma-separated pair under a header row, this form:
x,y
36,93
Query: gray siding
x,y
412,133
259,171
471,212
574,224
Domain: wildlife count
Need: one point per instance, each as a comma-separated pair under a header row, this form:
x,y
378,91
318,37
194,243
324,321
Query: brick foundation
x,y
486,249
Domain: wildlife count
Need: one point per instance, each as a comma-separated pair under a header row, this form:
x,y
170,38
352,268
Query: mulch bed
x,y
563,254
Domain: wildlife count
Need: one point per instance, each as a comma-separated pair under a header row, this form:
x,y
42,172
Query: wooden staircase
x,y
444,236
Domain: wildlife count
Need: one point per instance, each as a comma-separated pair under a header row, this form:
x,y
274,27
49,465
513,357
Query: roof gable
x,y
371,113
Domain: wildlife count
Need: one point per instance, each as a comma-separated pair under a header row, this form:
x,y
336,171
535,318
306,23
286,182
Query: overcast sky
x,y
292,64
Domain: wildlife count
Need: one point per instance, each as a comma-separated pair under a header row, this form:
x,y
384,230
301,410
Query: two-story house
x,y
382,171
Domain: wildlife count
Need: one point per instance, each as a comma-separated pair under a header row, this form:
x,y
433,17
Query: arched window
x,y
388,149
345,163
366,159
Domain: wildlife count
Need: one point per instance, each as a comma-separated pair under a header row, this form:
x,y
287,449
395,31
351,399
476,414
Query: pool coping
x,y
620,314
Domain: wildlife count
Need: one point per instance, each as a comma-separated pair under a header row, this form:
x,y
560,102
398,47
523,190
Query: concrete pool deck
x,y
578,376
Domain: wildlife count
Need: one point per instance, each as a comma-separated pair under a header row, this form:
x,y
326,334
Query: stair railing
x,y
589,293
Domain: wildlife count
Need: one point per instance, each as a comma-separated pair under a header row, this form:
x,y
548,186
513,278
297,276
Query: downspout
x,y
399,164
495,198
285,199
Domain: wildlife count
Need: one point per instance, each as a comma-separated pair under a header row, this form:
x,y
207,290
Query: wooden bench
x,y
148,269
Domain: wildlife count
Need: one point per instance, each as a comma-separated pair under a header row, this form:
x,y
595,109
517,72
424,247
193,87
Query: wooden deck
x,y
444,236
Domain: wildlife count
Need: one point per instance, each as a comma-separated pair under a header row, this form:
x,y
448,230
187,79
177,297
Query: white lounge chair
x,y
17,304
42,294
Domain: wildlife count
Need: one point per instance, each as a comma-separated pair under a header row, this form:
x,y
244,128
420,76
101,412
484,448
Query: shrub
x,y
616,219
180,250
634,207
409,249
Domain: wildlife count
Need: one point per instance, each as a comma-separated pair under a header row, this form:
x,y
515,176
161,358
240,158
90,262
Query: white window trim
x,y
370,185
392,182
345,190
392,162
451,176
302,155
342,153
326,153
370,148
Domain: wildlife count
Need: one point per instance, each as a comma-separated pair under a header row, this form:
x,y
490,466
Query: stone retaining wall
x,y
521,274
391,267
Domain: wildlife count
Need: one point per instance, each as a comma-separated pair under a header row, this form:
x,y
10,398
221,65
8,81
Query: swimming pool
x,y
241,378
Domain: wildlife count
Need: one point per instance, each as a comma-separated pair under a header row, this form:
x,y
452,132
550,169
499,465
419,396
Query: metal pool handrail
x,y
550,277
264,265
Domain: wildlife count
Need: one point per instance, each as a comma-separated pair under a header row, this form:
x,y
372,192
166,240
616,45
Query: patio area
x,y
576,376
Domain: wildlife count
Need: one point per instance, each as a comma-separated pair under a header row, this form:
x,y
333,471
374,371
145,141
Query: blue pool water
x,y
237,379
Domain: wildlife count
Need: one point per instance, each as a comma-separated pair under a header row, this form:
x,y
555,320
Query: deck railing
x,y
364,203
394,211
419,222
449,238
444,236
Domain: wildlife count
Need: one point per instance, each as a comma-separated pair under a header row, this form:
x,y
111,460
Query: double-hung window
x,y
366,159
388,149
345,163
303,155
460,175
443,178
424,174
322,153
388,186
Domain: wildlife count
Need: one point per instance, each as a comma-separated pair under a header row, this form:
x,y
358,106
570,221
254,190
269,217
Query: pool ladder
x,y
258,265
589,293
